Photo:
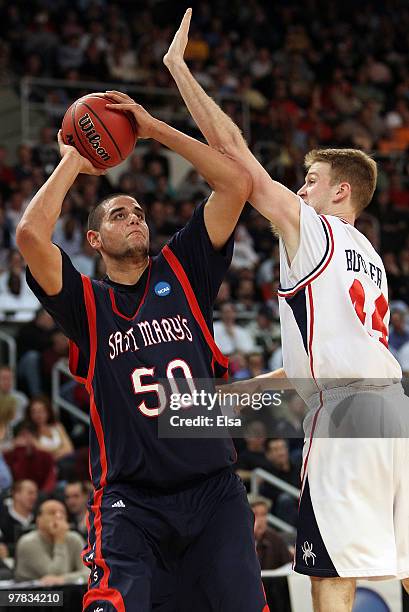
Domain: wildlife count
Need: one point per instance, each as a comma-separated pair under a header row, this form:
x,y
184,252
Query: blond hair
x,y
350,165
7,409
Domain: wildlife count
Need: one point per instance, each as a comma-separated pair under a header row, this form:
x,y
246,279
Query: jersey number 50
x,y
158,389
357,295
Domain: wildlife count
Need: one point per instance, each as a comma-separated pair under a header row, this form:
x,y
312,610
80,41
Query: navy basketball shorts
x,y
193,550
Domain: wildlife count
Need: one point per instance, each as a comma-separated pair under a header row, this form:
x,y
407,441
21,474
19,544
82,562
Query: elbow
x,y
241,183
24,235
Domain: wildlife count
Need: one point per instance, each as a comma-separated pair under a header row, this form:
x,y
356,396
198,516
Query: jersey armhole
x,y
82,371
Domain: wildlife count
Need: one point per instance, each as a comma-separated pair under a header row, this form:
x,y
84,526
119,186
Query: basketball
x,y
104,136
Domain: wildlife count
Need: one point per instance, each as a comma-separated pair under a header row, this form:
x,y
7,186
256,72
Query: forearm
x,y
44,209
218,129
222,133
221,172
277,377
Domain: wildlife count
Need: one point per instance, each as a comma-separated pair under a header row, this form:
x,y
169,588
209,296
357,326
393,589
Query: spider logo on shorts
x,y
307,553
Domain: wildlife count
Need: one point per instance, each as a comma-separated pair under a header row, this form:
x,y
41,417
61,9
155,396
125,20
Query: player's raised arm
x,y
230,182
36,227
270,198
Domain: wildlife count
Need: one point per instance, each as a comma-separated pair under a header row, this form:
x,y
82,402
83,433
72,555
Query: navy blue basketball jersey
x,y
124,341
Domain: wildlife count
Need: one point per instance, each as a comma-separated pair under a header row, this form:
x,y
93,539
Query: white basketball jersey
x,y
334,306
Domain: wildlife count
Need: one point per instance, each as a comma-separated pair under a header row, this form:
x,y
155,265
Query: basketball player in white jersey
x,y
354,508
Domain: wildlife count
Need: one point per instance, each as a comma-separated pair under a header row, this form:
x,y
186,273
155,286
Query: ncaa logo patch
x,y
162,289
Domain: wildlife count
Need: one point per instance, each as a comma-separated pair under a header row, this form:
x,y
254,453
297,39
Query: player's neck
x,y
126,273
348,217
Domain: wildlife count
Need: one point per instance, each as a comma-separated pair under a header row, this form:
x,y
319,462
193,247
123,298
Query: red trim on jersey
x,y
113,303
94,414
74,354
88,549
103,592
73,357
309,280
194,306
266,608
311,334
89,299
97,425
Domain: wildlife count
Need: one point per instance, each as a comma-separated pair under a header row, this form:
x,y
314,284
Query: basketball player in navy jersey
x,y
170,528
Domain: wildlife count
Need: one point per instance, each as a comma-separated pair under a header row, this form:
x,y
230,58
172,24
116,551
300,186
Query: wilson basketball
x,y
104,136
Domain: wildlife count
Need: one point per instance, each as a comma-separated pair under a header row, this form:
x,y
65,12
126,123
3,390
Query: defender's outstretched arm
x,y
273,200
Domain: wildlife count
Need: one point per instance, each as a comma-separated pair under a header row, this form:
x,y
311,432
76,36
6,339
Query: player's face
x,y
317,190
123,232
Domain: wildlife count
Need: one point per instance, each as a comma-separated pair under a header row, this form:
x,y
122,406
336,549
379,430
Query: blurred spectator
x,y
76,499
17,301
57,350
7,178
6,232
246,297
398,331
18,515
155,155
192,187
51,553
14,211
67,235
27,462
264,331
25,165
282,466
50,435
46,153
272,553
32,339
254,366
253,456
244,255
7,412
121,59
229,336
403,358
85,259
7,389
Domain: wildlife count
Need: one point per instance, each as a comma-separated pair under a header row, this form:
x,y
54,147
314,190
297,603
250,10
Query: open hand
x,y
177,47
86,166
122,102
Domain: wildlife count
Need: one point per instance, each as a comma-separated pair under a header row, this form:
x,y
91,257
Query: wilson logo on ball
x,y
88,128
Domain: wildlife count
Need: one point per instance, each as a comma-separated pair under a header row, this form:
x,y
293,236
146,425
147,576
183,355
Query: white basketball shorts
x,y
354,505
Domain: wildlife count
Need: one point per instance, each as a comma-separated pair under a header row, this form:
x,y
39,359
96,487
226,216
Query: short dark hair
x,y
81,483
97,212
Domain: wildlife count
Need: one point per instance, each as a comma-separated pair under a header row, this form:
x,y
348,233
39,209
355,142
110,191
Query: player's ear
x,y
94,239
343,191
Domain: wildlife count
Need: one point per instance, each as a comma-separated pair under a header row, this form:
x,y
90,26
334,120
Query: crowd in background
x,y
312,73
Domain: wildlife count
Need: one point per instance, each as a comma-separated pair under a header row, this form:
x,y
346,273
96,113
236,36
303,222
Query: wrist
x,y
72,159
174,65
155,129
